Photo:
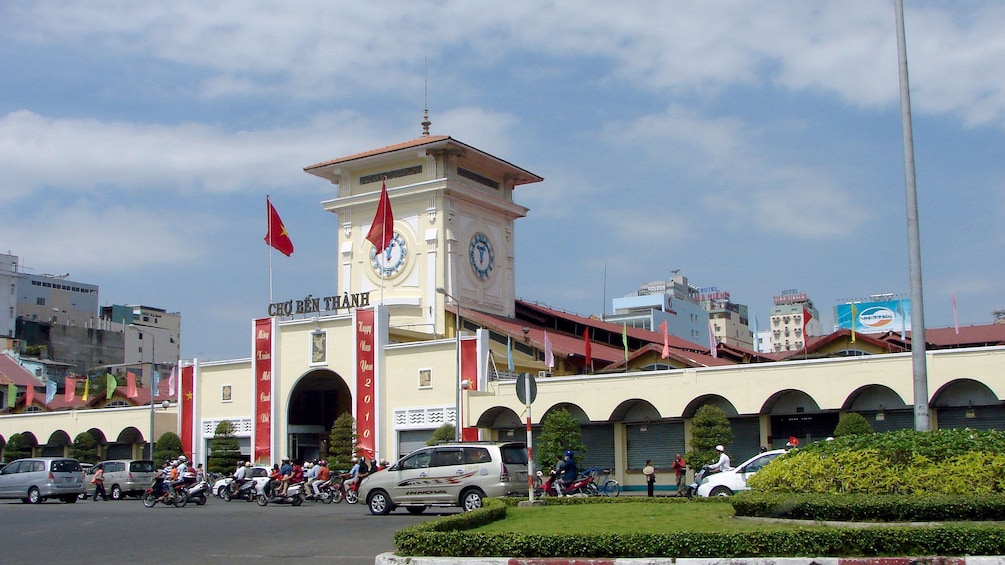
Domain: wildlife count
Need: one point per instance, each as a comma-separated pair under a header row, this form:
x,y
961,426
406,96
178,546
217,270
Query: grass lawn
x,y
627,518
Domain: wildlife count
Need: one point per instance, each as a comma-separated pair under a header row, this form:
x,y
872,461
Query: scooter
x,y
692,489
197,492
247,491
171,497
326,492
294,495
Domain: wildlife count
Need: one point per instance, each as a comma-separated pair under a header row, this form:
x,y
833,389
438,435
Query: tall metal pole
x,y
153,359
918,356
457,337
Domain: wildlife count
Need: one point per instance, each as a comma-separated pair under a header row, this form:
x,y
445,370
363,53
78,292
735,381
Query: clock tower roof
x,y
329,169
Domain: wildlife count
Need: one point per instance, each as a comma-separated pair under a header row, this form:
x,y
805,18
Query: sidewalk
x,y
391,559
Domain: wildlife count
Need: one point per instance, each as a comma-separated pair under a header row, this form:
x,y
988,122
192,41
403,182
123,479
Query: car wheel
x,y
262,500
471,499
416,509
721,491
34,497
115,493
379,503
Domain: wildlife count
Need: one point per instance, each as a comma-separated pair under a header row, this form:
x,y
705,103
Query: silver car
x,y
123,477
36,479
455,474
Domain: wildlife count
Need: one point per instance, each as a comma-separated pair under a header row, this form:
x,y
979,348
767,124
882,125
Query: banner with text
x,y
365,341
263,390
186,394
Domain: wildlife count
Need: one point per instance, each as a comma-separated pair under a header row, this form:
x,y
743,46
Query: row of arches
x,y
127,443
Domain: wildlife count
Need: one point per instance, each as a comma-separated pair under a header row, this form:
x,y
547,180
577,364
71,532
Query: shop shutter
x,y
893,420
659,442
119,451
746,439
410,440
599,443
983,417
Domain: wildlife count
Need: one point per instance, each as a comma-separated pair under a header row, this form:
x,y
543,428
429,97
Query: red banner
x,y
364,380
263,390
469,373
187,403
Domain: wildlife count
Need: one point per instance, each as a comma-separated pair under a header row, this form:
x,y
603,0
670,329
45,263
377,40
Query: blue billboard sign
x,y
877,316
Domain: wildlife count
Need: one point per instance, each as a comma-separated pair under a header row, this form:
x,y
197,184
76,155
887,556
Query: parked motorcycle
x,y
294,495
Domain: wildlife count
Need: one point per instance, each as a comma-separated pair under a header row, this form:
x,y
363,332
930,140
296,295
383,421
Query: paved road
x,y
217,533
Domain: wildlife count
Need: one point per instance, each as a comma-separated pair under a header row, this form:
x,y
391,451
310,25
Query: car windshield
x,y
66,466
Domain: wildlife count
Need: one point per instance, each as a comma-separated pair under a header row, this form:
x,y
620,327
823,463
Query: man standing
x,y
679,469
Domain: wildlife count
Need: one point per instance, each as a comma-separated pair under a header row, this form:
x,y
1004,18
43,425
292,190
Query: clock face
x,y
391,260
481,255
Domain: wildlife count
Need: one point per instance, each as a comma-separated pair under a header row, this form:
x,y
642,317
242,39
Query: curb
x,y
392,559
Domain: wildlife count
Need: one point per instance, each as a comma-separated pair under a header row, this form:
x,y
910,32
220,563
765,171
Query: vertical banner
x,y
365,374
469,380
263,390
186,403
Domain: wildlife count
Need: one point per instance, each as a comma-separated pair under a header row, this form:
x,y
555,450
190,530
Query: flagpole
x,y
268,222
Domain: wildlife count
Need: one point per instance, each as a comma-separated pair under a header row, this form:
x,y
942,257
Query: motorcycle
x,y
349,493
248,490
197,492
692,489
583,485
326,492
172,497
294,495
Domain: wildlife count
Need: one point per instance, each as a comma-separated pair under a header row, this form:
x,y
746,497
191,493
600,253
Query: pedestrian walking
x,y
679,469
650,472
99,484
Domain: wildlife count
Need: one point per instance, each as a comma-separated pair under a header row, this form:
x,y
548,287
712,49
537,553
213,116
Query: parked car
x,y
36,479
123,477
259,474
455,474
728,483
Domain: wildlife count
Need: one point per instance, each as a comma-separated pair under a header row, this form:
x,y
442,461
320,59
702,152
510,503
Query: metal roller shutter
x,y
599,442
892,420
746,439
659,442
982,417
119,451
410,440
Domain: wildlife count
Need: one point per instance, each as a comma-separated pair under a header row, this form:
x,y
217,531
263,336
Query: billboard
x,y
876,316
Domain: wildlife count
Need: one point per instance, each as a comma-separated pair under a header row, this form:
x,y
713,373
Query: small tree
x,y
709,428
852,423
224,450
342,443
167,447
84,448
443,434
17,448
559,432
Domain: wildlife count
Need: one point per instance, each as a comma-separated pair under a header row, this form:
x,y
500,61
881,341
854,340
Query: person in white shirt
x,y
723,463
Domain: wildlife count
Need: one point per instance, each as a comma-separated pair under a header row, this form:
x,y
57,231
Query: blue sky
x,y
754,145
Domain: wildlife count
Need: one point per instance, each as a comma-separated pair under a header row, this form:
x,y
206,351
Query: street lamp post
x,y
457,336
153,369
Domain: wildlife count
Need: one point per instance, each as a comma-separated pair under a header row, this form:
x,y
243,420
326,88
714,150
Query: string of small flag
x,y
70,388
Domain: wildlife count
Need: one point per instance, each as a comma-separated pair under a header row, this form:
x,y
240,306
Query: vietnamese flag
x,y
277,236
131,391
587,349
382,230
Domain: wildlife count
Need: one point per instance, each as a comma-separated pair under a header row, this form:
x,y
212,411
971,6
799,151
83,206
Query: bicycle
x,y
606,485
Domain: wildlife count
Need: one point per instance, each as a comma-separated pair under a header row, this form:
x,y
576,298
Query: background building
x,y
793,319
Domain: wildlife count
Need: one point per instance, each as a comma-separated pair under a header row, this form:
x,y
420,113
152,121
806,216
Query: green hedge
x,y
864,507
447,537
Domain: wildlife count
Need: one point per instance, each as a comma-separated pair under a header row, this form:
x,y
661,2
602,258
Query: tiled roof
x,y
15,373
388,149
968,336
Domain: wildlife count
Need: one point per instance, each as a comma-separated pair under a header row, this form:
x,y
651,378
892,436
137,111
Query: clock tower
x,y
453,213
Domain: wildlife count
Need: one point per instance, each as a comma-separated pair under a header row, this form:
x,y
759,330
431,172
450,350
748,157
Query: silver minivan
x,y
123,477
454,474
36,479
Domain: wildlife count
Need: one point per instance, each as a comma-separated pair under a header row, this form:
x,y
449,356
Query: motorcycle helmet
x,y
720,448
355,460
182,458
568,453
247,463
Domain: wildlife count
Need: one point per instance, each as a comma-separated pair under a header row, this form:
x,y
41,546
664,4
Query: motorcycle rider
x,y
310,476
569,472
353,475
186,474
285,474
722,464
322,476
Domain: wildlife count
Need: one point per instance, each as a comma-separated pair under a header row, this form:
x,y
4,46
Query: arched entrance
x,y
316,400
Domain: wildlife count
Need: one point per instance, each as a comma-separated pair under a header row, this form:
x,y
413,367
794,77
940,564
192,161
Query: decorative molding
x,y
242,427
424,418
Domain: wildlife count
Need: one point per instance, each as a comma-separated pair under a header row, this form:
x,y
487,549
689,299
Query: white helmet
x,y
355,460
182,458
720,448
247,463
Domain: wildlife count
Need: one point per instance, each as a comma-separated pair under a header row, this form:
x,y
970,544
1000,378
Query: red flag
x,y
588,349
131,391
277,236
29,396
382,229
806,319
666,340
70,389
